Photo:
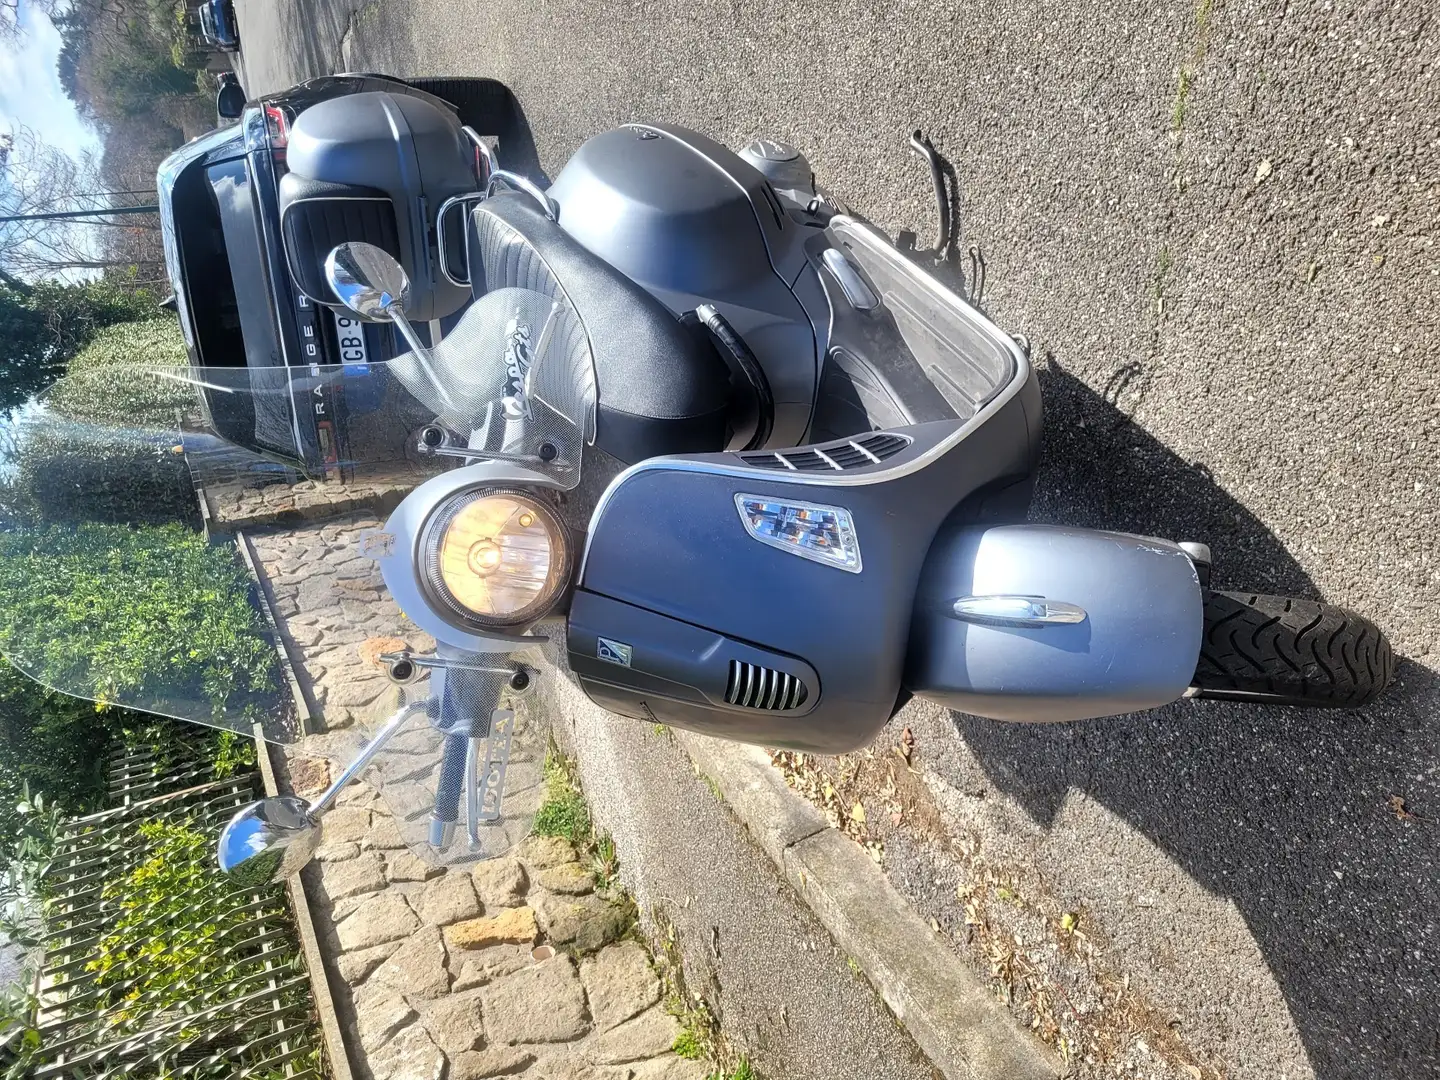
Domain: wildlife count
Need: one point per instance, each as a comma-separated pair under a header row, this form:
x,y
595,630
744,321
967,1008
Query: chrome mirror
x,y
368,281
269,840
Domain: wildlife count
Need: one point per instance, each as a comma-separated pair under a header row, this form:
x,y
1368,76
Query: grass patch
x,y
563,813
1203,12
689,1044
742,1071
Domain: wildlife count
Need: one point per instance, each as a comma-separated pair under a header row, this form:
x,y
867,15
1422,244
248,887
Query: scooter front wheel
x,y
1283,651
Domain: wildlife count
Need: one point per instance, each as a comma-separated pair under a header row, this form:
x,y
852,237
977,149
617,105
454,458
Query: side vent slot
x,y
841,455
754,687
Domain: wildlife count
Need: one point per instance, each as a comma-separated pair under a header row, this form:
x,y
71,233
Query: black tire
x,y
1290,652
488,106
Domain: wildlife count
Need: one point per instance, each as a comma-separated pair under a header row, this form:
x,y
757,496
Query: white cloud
x,y
30,91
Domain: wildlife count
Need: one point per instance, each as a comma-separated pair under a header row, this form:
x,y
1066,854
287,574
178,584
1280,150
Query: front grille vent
x,y
754,687
841,455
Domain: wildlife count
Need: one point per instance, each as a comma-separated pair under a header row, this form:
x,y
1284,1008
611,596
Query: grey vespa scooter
x,y
769,473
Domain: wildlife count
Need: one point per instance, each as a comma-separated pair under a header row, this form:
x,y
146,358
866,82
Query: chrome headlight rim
x,y
432,583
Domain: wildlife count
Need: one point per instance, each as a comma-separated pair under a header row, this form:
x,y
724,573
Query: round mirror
x,y
368,280
269,840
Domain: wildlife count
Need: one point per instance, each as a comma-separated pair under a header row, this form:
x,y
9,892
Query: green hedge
x,y
107,381
151,617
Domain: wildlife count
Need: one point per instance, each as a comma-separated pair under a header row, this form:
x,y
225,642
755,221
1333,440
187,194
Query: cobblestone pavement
x,y
441,971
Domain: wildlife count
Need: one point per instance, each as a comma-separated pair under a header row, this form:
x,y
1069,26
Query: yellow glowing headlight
x,y
496,558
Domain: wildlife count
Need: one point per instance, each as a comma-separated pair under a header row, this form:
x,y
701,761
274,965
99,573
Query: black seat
x,y
660,388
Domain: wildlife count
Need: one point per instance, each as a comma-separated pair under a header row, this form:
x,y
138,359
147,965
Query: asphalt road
x,y
1216,223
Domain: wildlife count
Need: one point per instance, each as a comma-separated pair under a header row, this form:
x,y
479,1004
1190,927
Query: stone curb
x,y
302,907
950,1013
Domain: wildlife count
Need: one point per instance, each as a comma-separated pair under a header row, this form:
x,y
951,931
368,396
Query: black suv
x,y
243,232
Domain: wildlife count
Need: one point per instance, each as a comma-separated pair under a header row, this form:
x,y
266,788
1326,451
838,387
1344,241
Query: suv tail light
x,y
277,124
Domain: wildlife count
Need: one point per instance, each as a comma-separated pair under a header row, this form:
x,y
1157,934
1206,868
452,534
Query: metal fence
x,y
155,965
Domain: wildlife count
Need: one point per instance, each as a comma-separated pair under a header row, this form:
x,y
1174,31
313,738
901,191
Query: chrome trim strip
x,y
785,461
826,458
857,478
1037,611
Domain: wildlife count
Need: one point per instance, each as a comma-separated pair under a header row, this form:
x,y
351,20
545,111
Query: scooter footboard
x,y
1045,623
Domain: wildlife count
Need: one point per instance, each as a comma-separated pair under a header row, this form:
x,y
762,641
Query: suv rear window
x,y
224,267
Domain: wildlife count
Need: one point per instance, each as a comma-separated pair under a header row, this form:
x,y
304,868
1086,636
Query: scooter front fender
x,y
1046,623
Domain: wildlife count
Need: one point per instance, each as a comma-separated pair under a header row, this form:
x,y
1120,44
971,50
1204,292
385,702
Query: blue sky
x,y
30,90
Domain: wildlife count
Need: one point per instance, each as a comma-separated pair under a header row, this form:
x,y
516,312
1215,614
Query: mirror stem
x,y
421,350
367,754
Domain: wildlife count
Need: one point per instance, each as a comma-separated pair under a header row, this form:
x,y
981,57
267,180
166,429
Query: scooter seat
x,y
660,389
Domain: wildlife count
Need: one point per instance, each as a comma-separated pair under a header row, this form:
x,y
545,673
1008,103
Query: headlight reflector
x,y
496,558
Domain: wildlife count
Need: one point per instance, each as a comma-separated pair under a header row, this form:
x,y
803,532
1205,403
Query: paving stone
x,y
543,852
362,874
383,917
514,926
410,1055
448,899
403,866
494,1061
587,922
349,690
669,1067
384,835
571,879
345,825
647,1035
456,1023
619,983
542,1004
371,649
380,1019
316,591
417,967
354,967
357,794
501,883
333,853
304,635
339,631
487,965
309,776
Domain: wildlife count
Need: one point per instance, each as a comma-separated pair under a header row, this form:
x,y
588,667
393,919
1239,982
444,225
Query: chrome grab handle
x,y
520,183
1017,611
491,168
491,165
440,241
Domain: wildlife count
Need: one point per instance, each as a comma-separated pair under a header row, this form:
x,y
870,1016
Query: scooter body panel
x,y
669,559
693,223
1119,631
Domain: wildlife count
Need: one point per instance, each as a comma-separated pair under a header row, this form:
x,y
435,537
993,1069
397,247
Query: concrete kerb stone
x,y
949,1012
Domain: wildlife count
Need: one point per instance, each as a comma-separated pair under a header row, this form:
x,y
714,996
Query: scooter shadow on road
x,y
1287,812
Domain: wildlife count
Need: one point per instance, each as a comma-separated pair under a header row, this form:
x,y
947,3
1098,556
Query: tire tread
x,y
1291,651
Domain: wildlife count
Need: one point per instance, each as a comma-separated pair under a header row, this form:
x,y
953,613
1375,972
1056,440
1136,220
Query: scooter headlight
x,y
495,558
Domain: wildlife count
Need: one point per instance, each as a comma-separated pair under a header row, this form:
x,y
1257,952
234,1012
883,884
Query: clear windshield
x,y
147,562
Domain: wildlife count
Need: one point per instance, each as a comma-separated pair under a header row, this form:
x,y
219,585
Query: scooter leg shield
x,y
1046,623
